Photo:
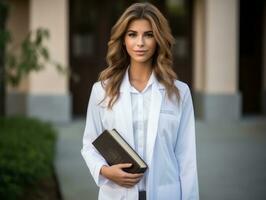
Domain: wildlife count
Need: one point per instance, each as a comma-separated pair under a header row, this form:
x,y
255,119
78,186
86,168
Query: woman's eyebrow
x,y
137,31
131,31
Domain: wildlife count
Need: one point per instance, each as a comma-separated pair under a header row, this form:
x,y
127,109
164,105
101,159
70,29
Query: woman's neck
x,y
140,72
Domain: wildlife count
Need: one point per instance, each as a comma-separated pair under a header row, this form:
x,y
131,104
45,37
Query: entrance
x,y
250,55
90,26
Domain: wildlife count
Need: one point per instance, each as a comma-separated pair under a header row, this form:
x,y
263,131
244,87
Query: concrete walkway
x,y
74,177
231,161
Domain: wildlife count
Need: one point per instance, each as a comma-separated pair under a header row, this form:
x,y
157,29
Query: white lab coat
x,y
171,149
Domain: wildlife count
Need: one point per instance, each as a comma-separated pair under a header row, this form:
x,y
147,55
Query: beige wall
x,y
216,48
18,25
51,14
199,47
26,15
264,50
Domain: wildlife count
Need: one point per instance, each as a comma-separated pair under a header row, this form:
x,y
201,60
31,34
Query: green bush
x,y
26,154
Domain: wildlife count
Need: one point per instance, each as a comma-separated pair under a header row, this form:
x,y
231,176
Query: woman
x,y
139,96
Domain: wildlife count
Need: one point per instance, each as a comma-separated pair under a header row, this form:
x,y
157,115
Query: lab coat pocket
x,y
169,111
168,124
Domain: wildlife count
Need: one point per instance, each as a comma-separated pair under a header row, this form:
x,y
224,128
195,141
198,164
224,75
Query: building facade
x,y
220,52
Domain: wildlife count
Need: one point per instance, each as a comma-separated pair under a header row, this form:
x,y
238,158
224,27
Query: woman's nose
x,y
140,42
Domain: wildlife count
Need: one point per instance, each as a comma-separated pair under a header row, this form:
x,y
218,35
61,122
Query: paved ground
x,y
74,177
231,161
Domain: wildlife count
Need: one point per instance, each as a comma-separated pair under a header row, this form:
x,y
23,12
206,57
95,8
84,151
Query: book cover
x,y
116,150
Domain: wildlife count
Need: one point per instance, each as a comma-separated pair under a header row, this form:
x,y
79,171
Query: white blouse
x,y
140,102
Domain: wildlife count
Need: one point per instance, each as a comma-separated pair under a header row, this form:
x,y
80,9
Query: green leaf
x,y
5,37
33,56
11,61
46,33
60,68
44,52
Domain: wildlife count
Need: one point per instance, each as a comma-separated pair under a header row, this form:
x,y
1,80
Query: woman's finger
x,y
124,165
129,175
132,181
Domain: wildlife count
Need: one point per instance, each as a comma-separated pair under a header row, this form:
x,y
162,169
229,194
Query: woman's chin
x,y
141,60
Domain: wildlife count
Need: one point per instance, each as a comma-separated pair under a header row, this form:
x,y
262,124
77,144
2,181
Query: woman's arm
x,y
92,129
99,168
186,150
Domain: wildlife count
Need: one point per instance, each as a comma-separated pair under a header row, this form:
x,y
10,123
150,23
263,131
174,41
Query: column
x,y
216,60
263,101
48,96
18,25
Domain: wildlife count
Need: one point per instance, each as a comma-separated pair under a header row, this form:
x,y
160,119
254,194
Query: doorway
x,y
90,26
250,55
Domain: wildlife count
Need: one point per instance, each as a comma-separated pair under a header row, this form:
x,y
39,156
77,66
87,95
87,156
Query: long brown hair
x,y
118,59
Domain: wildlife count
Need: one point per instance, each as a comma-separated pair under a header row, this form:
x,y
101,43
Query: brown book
x,y
113,147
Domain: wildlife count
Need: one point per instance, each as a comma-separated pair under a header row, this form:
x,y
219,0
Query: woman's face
x,y
139,41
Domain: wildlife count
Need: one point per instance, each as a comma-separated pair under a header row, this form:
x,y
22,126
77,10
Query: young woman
x,y
139,96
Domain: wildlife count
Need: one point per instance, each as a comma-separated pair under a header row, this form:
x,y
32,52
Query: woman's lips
x,y
140,52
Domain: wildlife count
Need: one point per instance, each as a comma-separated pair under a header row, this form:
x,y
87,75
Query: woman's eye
x,y
131,34
150,35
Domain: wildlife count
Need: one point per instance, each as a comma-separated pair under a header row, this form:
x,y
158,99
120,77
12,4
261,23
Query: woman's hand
x,y
120,177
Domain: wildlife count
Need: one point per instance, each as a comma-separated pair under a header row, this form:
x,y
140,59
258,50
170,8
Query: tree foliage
x,y
30,55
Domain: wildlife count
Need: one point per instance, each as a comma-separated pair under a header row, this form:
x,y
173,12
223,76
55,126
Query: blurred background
x,y
220,53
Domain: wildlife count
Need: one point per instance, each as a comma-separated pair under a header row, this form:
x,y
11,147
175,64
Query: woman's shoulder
x,y
184,90
98,86
97,92
98,89
182,87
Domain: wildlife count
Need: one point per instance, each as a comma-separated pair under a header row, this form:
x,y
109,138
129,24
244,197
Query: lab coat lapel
x,y
156,101
125,111
125,115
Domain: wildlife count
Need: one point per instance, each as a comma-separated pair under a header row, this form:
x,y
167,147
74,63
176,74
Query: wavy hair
x,y
118,59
